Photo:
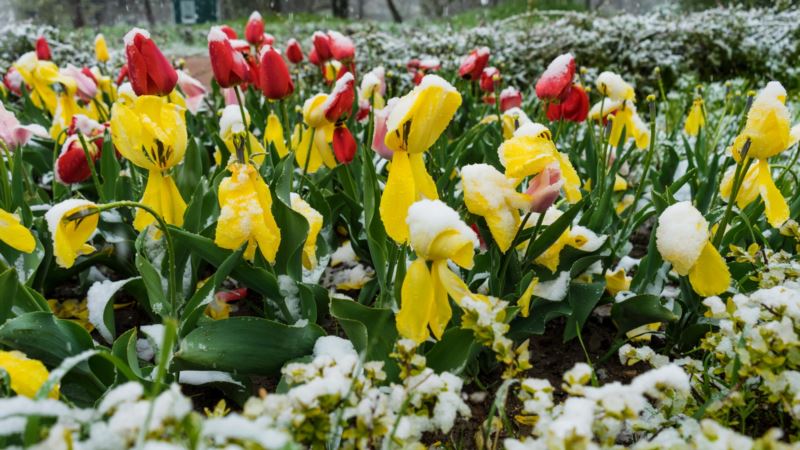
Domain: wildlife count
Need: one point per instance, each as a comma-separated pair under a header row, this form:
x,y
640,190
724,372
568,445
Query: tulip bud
x,y
230,32
510,98
574,106
379,135
313,57
43,49
322,45
13,81
294,52
71,165
229,66
340,102
555,81
100,48
543,190
488,78
344,145
276,83
254,30
342,47
267,39
149,71
474,63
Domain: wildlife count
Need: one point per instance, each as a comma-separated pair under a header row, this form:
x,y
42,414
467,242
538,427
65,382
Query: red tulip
x,y
123,74
544,188
473,64
267,39
340,102
293,51
231,296
510,97
13,81
418,76
230,32
488,78
313,57
322,45
489,99
149,71
430,64
254,30
276,83
71,165
344,145
43,49
555,81
255,71
229,66
363,110
342,47
574,107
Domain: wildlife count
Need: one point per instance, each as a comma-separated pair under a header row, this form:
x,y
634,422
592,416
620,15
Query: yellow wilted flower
x,y
274,135
72,309
769,133
577,237
234,132
488,193
617,282
246,214
531,150
14,234
314,219
415,123
151,133
696,118
614,87
437,235
27,375
71,224
66,108
41,76
682,238
100,48
624,117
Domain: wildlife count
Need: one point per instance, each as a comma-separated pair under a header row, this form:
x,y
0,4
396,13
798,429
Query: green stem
x,y
308,158
244,120
90,163
507,257
534,236
742,168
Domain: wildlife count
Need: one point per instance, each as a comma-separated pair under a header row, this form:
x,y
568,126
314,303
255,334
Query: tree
x,y
395,13
340,8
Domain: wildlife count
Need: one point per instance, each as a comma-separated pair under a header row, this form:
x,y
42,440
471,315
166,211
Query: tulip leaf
x,y
8,286
541,312
553,231
376,234
452,354
640,310
294,231
196,305
109,169
245,345
582,298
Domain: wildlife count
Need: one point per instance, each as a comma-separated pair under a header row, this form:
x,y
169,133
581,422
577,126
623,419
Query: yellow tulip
x,y
27,375
414,124
66,108
530,151
274,135
313,145
70,233
233,132
246,214
624,117
614,87
100,48
617,282
151,133
491,195
314,219
14,234
437,235
682,239
769,132
41,76
696,118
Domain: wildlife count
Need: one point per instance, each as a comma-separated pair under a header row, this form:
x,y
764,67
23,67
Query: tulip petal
x,y
416,296
423,182
440,311
454,286
526,155
398,195
162,195
274,134
13,233
709,275
572,182
776,208
524,301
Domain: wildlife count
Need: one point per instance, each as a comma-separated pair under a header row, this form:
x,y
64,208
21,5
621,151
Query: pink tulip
x,y
87,86
193,90
13,133
543,190
379,135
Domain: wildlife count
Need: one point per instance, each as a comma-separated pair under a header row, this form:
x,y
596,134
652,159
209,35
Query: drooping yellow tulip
x,y
41,76
100,48
27,375
769,132
437,235
14,234
314,219
415,123
577,237
66,108
530,151
312,144
682,238
617,282
273,134
696,118
151,133
246,214
624,117
490,194
71,224
234,132
614,87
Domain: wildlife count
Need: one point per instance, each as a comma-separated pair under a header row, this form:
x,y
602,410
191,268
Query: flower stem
x,y
90,163
244,119
742,167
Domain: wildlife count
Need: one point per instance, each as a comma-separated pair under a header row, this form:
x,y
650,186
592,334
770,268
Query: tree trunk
x,y
78,20
340,8
148,12
395,13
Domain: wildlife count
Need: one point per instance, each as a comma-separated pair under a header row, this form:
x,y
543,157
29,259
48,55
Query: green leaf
x,y
555,230
541,312
372,330
582,298
294,230
246,345
8,286
152,282
640,310
452,354
28,262
376,233
196,305
109,169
